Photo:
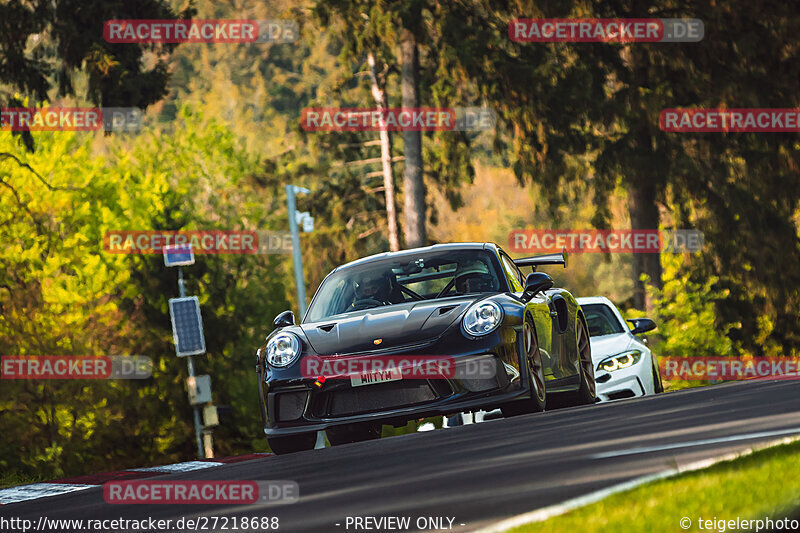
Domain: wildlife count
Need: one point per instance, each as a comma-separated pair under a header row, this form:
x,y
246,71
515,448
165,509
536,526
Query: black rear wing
x,y
546,259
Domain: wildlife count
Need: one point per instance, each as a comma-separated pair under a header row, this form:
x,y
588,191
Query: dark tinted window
x,y
399,279
601,320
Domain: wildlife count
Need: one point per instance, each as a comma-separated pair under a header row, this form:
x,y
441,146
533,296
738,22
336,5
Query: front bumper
x,y
292,404
624,383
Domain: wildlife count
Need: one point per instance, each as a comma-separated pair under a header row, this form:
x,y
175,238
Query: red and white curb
x,y
35,491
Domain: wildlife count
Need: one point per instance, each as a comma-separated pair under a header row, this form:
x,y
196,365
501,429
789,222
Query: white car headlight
x,y
620,361
482,318
283,349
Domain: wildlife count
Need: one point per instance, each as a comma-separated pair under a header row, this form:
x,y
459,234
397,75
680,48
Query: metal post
x,y
181,287
208,441
291,190
198,427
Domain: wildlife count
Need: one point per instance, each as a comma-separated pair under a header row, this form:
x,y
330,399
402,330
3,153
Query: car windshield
x,y
601,320
399,279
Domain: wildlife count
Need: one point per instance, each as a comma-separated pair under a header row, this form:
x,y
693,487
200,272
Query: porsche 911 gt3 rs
x,y
425,332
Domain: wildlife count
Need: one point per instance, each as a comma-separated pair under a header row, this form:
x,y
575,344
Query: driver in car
x,y
474,277
371,290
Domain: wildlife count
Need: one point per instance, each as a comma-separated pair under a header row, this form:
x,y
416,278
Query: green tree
x,y
561,102
61,293
44,43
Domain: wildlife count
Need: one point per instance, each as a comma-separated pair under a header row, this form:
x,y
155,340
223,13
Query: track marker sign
x,y
187,326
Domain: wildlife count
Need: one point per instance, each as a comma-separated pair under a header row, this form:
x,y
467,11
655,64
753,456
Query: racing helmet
x,y
473,276
372,285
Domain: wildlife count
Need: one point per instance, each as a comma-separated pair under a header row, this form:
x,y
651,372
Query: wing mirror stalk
x,y
535,283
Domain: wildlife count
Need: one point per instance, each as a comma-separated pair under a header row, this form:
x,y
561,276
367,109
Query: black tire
x,y
492,415
535,373
455,420
586,394
339,435
292,443
658,385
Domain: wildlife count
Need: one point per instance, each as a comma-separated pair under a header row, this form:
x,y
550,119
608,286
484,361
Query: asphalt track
x,y
479,474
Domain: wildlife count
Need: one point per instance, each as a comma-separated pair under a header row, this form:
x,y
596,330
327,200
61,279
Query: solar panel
x,y
178,255
187,326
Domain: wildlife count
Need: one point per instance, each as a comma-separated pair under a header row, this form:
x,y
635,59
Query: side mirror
x,y
641,325
284,319
537,282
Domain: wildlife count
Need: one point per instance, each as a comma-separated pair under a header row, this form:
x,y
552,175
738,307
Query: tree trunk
x,y
643,187
413,185
644,215
386,159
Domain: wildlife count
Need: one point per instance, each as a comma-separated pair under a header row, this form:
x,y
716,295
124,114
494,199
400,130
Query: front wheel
x,y
292,443
533,358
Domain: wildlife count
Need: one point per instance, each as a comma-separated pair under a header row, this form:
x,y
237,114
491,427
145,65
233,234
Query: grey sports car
x,y
494,337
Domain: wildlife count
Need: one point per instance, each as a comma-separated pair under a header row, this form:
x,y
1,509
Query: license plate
x,y
377,376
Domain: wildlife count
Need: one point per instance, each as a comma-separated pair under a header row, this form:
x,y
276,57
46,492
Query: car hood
x,y
606,345
400,325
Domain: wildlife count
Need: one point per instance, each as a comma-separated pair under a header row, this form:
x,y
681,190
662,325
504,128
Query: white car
x,y
624,365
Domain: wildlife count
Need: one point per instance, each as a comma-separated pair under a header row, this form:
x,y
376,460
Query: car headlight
x,y
620,361
283,349
482,318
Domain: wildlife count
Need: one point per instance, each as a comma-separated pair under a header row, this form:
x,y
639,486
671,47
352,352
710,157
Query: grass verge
x,y
13,479
765,483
